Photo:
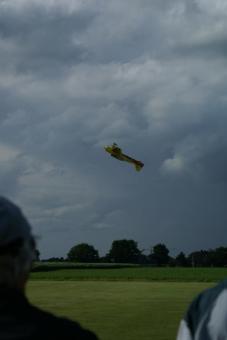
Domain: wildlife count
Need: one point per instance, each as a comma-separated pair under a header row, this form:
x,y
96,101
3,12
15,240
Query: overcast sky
x,y
151,75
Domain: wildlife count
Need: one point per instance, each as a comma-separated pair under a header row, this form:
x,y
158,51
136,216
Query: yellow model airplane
x,y
116,152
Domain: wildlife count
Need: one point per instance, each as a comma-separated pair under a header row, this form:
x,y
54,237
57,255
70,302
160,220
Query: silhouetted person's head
x,y
19,319
17,246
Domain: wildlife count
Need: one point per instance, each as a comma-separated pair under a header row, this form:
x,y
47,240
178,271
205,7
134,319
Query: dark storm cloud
x,y
150,75
45,40
210,49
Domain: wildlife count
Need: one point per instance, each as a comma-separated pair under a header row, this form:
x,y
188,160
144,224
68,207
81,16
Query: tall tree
x,y
159,256
181,260
218,257
124,251
83,252
199,258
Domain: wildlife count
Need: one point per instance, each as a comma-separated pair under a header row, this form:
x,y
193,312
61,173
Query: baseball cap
x,y
14,227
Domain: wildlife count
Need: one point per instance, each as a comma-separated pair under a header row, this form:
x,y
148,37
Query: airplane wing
x,y
138,165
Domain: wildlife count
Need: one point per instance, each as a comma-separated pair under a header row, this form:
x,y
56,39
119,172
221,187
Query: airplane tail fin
x,y
138,166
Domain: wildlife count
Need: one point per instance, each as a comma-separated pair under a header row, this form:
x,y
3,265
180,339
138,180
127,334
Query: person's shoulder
x,y
202,304
60,327
72,329
208,296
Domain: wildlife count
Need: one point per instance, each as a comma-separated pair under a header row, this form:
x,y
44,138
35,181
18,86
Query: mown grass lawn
x,y
119,310
64,272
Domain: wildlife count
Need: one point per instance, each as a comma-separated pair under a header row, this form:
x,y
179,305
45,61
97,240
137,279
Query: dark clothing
x,y
19,320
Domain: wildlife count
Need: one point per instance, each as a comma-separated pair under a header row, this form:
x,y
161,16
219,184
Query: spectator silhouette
x,y
18,318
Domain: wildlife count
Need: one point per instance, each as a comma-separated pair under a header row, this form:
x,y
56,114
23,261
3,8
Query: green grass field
x,y
118,310
106,273
120,302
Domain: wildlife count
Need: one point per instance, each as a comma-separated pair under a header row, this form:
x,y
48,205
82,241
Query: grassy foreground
x,y
119,310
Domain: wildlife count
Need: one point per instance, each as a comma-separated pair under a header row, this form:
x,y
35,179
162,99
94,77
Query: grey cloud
x,y
45,41
75,79
216,47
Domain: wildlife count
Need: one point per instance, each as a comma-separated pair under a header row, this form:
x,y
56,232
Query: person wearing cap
x,y
18,318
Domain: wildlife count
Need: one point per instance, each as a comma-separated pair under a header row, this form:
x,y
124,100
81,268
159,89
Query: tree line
x,y
127,251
